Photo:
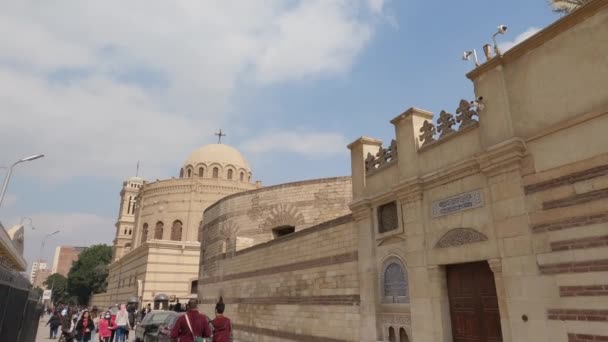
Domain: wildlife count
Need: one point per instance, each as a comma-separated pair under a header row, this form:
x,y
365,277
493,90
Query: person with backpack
x,y
54,322
67,325
191,326
222,328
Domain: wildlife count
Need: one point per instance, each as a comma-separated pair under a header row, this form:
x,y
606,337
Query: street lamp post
x,y
40,254
10,171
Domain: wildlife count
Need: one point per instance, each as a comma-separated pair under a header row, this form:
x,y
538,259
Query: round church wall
x,y
172,209
249,218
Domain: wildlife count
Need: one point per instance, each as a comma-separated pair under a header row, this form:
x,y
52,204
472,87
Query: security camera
x,y
502,29
479,98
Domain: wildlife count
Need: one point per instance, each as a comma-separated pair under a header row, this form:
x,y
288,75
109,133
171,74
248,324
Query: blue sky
x,y
99,86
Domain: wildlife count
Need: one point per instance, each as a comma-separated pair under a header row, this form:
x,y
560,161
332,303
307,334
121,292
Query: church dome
x,y
227,159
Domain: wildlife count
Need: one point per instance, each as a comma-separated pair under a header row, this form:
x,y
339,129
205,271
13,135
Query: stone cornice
x,y
360,210
504,157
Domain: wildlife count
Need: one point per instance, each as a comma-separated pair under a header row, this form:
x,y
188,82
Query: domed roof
x,y
218,153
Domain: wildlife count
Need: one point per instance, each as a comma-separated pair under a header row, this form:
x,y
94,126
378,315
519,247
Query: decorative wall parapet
x,y
385,156
467,116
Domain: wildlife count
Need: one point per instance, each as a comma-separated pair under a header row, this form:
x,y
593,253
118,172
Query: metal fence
x,y
19,308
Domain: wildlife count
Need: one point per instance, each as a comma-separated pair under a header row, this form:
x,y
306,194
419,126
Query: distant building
x,y
64,257
41,277
36,266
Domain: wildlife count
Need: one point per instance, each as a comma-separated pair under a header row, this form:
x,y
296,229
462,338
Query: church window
x,y
200,232
189,173
176,231
387,217
144,233
394,283
201,172
282,231
216,172
229,174
242,176
158,231
181,173
403,336
194,287
125,232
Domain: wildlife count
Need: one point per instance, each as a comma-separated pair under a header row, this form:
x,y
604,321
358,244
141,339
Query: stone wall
x,y
521,192
300,287
246,219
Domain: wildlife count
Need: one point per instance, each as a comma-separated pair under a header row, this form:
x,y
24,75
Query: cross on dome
x,y
220,134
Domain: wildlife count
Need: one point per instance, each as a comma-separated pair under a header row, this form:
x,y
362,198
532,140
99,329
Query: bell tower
x,y
126,217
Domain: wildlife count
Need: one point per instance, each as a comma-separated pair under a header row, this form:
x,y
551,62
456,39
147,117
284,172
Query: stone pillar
x,y
501,294
358,152
368,274
407,132
440,304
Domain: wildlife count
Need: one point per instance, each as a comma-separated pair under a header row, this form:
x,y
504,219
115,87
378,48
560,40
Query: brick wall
x,y
301,287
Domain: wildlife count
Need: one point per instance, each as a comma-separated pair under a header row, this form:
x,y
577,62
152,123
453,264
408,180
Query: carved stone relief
x,y
396,319
459,237
283,215
383,157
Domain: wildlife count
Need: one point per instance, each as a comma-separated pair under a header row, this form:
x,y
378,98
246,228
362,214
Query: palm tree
x,y
567,6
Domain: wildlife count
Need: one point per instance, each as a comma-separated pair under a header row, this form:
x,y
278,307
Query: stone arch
x,y
201,170
176,230
216,171
394,282
403,335
158,230
283,215
459,237
144,233
391,334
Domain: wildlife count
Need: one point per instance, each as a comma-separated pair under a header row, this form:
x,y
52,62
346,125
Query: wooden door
x,y
473,303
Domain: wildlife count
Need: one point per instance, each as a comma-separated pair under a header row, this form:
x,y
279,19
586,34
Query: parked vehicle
x,y
147,330
164,332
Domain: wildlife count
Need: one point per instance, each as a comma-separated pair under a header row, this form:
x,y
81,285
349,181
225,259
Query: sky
x,y
99,85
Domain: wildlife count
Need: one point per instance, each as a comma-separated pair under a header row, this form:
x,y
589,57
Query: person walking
x,y
222,329
54,322
84,327
122,324
105,327
192,325
96,319
67,325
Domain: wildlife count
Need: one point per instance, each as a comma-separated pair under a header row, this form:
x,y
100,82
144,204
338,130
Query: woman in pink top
x,y
105,327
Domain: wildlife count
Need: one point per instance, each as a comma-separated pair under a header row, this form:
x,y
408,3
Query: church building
x,y
156,248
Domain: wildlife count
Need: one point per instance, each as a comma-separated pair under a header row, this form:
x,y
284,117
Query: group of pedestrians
x,y
194,326
79,324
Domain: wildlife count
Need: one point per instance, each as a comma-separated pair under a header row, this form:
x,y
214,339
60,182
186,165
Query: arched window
x,y
201,172
189,173
229,174
282,231
158,231
391,335
242,176
144,233
176,231
403,336
395,287
200,232
216,172
181,173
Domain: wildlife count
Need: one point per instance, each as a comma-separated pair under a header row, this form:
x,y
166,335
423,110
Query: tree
x,y
88,274
59,284
567,6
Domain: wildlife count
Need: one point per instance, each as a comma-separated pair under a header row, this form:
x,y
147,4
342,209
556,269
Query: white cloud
x,y
68,89
75,229
504,46
309,144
